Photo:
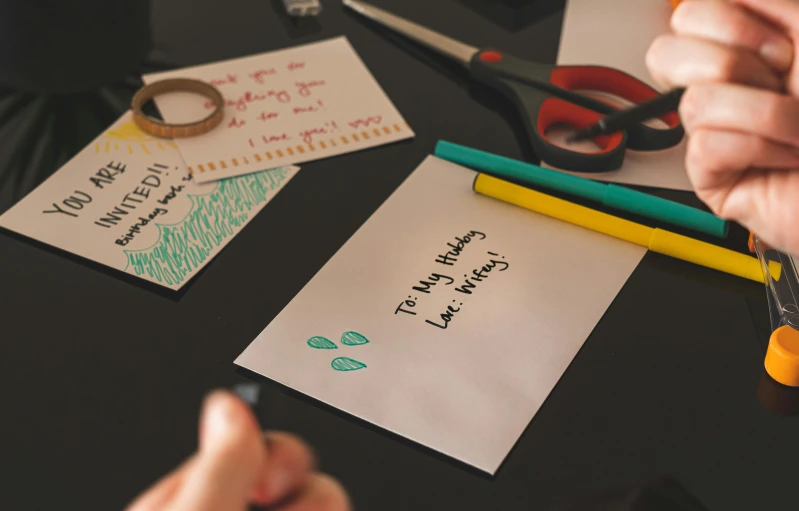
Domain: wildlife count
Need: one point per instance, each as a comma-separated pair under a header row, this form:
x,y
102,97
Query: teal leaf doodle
x,y
346,364
322,343
214,217
353,339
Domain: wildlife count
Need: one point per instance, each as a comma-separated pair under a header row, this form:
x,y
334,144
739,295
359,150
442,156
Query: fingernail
x,y
218,417
278,477
778,53
279,480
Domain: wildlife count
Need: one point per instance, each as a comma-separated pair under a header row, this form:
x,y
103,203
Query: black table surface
x,y
102,377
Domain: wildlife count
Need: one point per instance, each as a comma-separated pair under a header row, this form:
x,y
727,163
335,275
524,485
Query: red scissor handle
x,y
556,111
611,81
622,85
547,95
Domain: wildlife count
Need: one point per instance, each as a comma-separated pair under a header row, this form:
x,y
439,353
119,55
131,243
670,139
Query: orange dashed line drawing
x,y
246,161
222,164
290,151
397,127
160,146
365,135
322,145
332,142
279,153
191,170
311,147
386,130
355,137
376,132
344,139
257,157
235,162
144,148
200,167
300,149
211,166
268,155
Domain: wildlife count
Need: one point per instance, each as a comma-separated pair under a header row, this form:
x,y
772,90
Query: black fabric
x,y
660,494
62,46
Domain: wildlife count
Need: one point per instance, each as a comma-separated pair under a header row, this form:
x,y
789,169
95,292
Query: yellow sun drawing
x,y
131,136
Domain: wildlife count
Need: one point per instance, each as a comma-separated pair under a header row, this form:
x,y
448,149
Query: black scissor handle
x,y
622,85
527,86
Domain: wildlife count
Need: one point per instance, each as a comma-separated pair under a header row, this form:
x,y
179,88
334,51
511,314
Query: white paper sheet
x,y
128,202
470,389
283,107
618,33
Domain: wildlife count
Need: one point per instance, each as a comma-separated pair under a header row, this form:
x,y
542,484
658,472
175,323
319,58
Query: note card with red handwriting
x,y
283,108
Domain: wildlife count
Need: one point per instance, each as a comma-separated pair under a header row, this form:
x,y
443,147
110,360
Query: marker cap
x,y
782,357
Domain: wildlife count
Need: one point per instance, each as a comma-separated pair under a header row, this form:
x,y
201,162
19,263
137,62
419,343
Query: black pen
x,y
655,107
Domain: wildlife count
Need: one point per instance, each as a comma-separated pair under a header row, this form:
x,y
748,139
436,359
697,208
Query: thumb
x,y
229,462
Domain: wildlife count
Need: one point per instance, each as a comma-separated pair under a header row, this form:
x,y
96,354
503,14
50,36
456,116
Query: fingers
x,y
737,108
237,465
230,459
782,13
679,61
718,160
157,497
322,493
731,25
288,468
749,180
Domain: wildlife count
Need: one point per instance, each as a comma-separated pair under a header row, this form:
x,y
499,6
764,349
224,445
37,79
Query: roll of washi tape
x,y
163,129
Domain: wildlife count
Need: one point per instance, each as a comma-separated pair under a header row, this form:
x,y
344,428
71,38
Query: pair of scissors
x,y
545,96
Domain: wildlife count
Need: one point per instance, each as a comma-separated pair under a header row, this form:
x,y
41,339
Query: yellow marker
x,y
657,240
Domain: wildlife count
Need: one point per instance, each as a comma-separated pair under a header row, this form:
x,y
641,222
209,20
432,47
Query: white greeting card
x,y
127,201
284,107
448,317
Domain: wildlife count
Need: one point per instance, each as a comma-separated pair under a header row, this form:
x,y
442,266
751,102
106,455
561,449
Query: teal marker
x,y
608,194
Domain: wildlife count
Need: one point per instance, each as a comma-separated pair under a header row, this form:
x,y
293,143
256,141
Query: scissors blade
x,y
456,50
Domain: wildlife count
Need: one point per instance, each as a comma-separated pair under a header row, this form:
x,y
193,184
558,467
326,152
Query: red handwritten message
x,y
365,123
303,88
265,116
227,80
284,107
260,75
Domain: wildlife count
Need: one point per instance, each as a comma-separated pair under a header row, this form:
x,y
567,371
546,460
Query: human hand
x,y
740,108
750,42
236,465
